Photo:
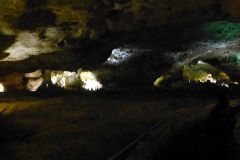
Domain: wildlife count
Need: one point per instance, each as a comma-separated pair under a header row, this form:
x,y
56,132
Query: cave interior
x,y
119,79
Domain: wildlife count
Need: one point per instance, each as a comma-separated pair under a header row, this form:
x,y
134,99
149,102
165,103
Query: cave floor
x,y
88,127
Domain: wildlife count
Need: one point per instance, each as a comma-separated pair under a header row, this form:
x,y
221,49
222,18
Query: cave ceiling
x,y
70,34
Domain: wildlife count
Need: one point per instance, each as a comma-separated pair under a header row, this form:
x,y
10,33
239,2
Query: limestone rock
x,y
57,33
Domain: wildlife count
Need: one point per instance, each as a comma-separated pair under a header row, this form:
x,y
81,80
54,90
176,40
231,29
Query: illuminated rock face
x,y
29,43
214,63
196,73
2,89
34,84
119,56
35,74
47,79
90,81
65,79
204,73
73,80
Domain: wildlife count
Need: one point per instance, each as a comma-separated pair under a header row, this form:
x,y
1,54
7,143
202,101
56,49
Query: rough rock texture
x,y
84,32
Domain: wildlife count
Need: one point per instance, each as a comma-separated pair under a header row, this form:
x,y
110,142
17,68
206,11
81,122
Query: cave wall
x,y
231,8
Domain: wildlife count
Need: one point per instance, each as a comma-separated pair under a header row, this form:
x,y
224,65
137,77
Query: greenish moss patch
x,y
220,30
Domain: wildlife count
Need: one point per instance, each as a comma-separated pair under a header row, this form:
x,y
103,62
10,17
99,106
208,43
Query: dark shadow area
x,y
36,18
5,42
36,3
209,139
10,136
